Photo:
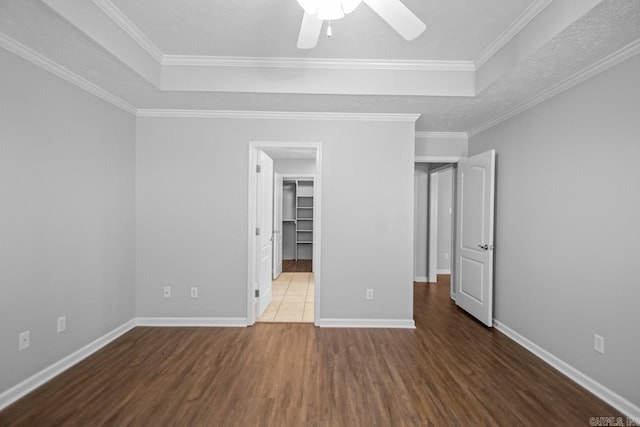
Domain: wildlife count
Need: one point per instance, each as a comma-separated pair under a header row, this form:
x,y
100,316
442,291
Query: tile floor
x,y
292,299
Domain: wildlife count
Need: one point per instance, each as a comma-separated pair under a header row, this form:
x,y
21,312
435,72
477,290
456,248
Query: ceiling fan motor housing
x,y
328,10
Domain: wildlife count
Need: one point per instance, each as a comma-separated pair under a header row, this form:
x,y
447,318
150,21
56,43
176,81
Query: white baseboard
x,y
420,279
367,323
620,403
16,392
443,271
230,322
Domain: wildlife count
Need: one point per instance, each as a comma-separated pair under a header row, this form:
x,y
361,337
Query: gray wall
x,y
444,219
295,166
192,214
567,229
66,217
421,218
434,146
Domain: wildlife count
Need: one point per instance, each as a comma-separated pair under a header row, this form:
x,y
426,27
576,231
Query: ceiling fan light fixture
x,y
309,6
393,12
326,10
329,10
349,6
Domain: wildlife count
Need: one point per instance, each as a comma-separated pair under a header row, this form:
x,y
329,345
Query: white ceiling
x,y
456,29
585,40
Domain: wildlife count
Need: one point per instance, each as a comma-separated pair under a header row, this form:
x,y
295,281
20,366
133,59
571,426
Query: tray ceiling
x,y
456,29
38,33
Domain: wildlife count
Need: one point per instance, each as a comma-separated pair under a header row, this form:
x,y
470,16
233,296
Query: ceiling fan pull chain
x,y
329,32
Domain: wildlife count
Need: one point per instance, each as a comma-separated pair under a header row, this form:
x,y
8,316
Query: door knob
x,y
484,247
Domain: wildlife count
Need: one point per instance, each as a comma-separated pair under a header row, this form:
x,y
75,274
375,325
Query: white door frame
x,y
254,147
452,256
432,269
277,225
433,220
454,218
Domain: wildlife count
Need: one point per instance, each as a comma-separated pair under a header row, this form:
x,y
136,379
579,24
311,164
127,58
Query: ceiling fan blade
x,y
309,32
399,17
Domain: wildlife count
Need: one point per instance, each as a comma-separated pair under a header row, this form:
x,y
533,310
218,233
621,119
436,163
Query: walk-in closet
x,y
297,219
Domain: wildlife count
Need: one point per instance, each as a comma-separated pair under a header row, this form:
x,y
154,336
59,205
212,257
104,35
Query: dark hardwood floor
x,y
299,266
449,371
443,279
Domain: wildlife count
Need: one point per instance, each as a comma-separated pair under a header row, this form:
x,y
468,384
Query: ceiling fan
x,y
394,12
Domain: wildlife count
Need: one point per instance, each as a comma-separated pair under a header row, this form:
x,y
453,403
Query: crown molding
x,y
609,61
107,25
324,63
442,135
437,159
45,63
278,115
129,27
511,31
118,17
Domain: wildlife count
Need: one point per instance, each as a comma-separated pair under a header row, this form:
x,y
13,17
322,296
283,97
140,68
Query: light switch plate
x,y
61,324
24,340
598,343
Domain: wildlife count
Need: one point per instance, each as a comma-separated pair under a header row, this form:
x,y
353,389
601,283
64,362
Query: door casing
x,y
452,256
252,242
277,225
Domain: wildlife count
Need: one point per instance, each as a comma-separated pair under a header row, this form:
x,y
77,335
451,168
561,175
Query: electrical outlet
x,y
167,292
194,292
24,340
446,256
62,323
598,343
369,294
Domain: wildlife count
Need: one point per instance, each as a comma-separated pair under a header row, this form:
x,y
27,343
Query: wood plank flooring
x,y
299,266
449,371
443,279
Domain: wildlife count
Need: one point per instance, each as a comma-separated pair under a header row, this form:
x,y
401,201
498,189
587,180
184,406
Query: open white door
x,y
264,231
474,236
277,225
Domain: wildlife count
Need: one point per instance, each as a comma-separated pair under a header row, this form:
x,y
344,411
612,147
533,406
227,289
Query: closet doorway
x,y
290,293
296,225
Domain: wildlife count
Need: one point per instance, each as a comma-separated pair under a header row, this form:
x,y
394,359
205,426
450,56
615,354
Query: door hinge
x,y
258,169
257,231
257,293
